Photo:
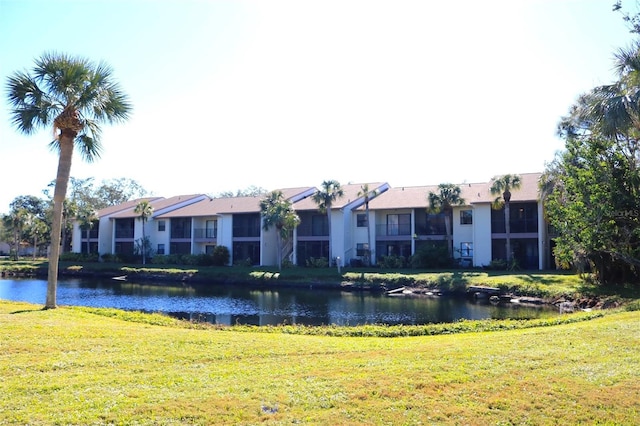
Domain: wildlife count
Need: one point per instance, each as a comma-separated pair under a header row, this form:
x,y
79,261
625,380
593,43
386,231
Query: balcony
x,y
246,231
310,230
205,233
391,230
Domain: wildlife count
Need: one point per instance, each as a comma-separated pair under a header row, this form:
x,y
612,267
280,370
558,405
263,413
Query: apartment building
x,y
398,223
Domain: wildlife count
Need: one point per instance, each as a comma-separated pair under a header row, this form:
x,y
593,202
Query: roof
x,y
350,194
228,205
158,205
471,193
107,211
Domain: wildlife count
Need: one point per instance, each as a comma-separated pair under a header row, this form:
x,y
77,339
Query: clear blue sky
x,y
229,94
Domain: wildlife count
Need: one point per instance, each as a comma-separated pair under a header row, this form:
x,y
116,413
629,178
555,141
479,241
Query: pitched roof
x,y
226,205
158,205
350,194
471,193
107,211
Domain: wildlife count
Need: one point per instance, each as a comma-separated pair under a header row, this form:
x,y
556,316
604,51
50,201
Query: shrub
x,y
431,256
79,257
319,262
392,262
220,256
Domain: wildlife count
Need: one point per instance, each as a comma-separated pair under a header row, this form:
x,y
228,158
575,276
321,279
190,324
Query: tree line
x,y
591,189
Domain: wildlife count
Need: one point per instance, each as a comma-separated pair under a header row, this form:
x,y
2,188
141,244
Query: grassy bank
x,y
82,366
525,283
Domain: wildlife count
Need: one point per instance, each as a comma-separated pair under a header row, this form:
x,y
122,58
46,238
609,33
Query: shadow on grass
x,y
27,311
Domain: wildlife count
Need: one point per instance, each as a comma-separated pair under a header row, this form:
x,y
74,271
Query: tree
x,y
502,186
74,96
594,207
112,192
37,229
278,212
368,196
87,218
144,210
443,201
324,198
15,223
250,191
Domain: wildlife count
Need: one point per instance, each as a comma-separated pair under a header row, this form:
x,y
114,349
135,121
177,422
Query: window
x,y
160,249
211,228
162,226
398,224
362,220
466,249
466,217
362,249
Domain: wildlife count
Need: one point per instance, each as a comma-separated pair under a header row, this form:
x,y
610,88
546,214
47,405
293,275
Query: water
x,y
238,304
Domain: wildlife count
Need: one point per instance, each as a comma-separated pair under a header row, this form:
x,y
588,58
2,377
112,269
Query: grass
x,y
91,366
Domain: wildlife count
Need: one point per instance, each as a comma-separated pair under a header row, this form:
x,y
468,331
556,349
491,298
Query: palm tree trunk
x,y
144,244
59,194
447,228
279,245
368,252
507,230
329,229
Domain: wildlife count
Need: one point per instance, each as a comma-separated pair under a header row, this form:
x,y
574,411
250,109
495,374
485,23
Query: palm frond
x,y
90,148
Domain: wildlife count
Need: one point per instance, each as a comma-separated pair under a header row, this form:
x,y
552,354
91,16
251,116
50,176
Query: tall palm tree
x,y
87,218
368,196
502,186
144,210
324,198
73,96
38,229
443,201
613,109
278,212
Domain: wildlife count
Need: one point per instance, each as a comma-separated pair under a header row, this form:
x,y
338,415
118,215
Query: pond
x,y
237,304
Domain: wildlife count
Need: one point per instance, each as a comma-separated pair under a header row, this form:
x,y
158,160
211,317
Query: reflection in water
x,y
239,304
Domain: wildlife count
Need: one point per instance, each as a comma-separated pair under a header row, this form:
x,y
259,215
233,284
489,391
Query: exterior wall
x,y
159,237
338,235
269,247
225,233
481,235
462,233
543,240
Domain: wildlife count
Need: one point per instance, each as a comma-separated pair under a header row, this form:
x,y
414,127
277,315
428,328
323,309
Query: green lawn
x,y
82,366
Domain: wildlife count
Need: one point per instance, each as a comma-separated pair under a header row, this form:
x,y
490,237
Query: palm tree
x,y
443,201
613,109
73,96
368,196
144,210
278,212
324,198
502,186
87,217
38,229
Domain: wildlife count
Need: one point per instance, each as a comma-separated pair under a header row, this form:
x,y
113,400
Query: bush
x,y
431,256
221,256
319,262
392,262
79,257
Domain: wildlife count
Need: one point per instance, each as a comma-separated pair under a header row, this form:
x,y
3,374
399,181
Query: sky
x,y
290,93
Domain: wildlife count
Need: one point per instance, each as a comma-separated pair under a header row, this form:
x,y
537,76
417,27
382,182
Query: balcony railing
x,y
393,230
312,231
124,232
205,233
246,231
180,233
